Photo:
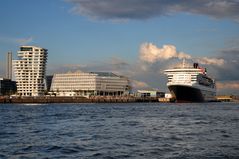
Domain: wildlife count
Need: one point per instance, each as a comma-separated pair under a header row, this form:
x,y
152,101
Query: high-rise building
x,y
30,70
9,66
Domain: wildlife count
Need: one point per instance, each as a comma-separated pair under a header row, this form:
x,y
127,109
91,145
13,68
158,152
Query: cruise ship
x,y
190,83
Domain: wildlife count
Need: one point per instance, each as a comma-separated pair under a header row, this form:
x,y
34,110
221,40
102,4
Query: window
x,y
26,49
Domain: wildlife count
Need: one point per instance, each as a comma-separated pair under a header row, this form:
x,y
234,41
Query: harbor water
x,y
119,130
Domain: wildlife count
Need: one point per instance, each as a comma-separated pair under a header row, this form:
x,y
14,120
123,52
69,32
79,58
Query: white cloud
x,y
151,53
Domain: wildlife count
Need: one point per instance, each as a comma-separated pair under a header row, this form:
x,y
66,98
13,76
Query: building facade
x,y
150,93
30,70
87,84
7,87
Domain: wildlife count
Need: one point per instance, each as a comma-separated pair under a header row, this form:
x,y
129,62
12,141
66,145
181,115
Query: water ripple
x,y
119,131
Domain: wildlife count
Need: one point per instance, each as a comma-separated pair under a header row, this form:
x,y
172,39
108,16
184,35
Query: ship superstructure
x,y
190,83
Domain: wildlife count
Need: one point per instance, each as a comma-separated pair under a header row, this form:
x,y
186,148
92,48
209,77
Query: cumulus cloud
x,y
151,53
211,61
142,9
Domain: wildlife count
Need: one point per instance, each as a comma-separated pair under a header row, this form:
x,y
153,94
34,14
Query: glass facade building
x,y
87,84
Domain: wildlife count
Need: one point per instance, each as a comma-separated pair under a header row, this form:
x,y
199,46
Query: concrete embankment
x,y
93,99
44,100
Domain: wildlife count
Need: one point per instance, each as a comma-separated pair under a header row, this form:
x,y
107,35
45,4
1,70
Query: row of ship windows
x,y
184,71
183,75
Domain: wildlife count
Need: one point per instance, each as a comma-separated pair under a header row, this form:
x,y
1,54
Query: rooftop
x,y
105,74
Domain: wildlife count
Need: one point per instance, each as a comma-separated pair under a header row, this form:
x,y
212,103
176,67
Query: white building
x,y
92,83
30,70
150,93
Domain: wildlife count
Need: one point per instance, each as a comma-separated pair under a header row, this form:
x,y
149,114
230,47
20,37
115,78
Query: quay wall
x,y
92,99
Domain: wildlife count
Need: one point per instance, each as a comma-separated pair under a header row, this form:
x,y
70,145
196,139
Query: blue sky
x,y
103,35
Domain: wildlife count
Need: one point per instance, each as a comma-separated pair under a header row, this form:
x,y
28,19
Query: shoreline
x,y
94,99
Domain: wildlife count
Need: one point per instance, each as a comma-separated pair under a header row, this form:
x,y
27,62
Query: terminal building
x,y
30,68
90,83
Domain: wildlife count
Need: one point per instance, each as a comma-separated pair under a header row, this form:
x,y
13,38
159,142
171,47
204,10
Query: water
x,y
108,131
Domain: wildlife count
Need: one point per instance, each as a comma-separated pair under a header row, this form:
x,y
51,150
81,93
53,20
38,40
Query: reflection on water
x,y
138,130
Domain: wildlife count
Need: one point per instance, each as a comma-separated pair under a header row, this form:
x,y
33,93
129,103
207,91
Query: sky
x,y
135,38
